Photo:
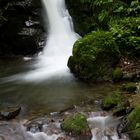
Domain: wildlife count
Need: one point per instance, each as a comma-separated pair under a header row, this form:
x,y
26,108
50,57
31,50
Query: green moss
x,y
76,124
117,74
94,56
134,123
112,100
129,87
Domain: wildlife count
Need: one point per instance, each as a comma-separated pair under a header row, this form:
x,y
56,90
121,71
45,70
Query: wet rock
x,y
67,109
123,108
61,138
54,113
86,136
10,113
121,127
21,27
35,127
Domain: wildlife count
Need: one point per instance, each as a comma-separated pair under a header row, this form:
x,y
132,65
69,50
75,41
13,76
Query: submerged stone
x,y
35,127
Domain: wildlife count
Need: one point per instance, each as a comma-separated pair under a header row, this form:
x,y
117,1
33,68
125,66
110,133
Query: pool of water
x,y
46,96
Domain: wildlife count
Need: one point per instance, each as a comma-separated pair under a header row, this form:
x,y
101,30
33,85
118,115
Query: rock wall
x,y
21,27
82,16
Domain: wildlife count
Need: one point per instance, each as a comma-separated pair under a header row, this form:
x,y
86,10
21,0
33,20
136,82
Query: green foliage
x,y
127,35
76,124
134,123
129,87
95,14
94,56
111,100
107,10
117,74
134,9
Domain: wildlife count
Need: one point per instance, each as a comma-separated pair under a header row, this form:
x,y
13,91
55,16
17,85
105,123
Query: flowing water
x,y
46,81
60,40
48,96
46,84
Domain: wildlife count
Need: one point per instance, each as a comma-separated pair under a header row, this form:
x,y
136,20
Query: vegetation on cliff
x,y
94,56
97,55
110,50
88,15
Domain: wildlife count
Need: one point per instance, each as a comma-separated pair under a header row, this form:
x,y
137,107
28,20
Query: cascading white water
x,y
60,40
104,127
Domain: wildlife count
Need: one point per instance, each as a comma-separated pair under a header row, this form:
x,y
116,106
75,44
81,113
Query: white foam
x,y
61,37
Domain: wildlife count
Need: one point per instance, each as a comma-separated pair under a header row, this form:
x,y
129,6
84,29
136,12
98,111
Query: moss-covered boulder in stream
x,y
76,124
133,126
117,103
94,56
111,101
129,87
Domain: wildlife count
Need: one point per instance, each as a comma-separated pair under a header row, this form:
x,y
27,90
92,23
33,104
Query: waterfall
x,y
61,37
104,127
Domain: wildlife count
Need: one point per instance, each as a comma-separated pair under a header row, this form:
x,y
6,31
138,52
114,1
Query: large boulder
x,y
94,57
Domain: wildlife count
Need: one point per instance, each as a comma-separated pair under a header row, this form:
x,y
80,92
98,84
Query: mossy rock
x,y
133,127
111,101
94,57
75,124
129,87
117,75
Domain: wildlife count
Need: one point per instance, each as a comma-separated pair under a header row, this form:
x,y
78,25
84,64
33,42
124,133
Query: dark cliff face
x,y
82,16
21,27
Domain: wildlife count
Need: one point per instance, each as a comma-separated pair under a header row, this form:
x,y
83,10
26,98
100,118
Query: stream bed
x,y
40,98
